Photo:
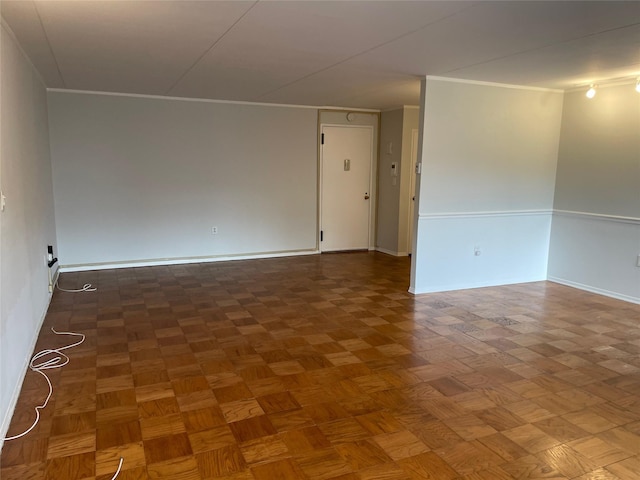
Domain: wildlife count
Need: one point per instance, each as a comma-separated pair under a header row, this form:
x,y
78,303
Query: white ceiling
x,y
367,54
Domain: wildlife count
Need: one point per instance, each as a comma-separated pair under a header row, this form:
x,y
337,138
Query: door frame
x,y
415,139
372,193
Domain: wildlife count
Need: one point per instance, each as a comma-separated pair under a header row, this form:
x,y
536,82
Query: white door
x,y
345,202
412,187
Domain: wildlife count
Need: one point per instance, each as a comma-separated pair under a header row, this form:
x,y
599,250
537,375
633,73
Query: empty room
x,y
333,240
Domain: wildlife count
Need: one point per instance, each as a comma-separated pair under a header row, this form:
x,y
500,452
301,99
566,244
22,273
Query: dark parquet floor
x,y
324,367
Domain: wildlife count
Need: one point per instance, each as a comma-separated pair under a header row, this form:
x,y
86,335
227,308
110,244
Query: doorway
x,y
346,156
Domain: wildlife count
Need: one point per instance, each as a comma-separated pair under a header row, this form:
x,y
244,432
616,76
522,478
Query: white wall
x,y
389,186
410,122
395,197
142,179
488,157
27,224
595,239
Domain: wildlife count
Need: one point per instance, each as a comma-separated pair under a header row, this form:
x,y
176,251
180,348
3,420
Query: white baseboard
x,y
6,421
599,291
391,252
183,260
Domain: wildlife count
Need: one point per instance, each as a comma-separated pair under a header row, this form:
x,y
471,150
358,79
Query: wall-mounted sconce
x,y
638,85
591,92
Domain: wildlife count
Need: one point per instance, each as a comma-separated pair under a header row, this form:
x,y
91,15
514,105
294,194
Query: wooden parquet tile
x,y
324,367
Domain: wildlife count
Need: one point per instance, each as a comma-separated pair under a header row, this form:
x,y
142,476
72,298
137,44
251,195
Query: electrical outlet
x,y
477,251
214,230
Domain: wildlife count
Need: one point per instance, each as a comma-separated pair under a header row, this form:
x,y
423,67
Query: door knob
x,y
366,196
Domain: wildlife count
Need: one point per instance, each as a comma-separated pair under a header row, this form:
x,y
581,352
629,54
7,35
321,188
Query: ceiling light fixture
x,y
591,92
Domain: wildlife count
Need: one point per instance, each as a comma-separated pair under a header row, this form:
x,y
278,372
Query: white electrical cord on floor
x,y
119,468
57,361
87,287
